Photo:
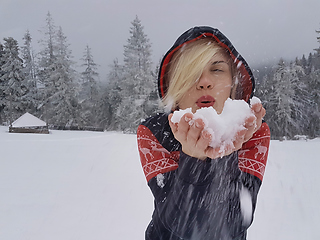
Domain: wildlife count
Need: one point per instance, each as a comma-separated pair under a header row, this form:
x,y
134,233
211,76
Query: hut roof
x,y
28,120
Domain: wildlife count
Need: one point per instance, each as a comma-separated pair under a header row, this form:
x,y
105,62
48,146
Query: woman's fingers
x,y
197,140
240,139
173,126
196,127
250,125
183,127
226,150
204,141
191,134
259,111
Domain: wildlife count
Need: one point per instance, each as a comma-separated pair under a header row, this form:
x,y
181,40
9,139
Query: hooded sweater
x,y
201,199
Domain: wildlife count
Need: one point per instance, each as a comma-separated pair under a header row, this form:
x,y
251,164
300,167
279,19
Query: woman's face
x,y
213,87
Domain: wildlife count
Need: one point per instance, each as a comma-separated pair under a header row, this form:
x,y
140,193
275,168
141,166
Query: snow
x,y
254,100
90,185
246,205
234,114
28,120
160,180
177,115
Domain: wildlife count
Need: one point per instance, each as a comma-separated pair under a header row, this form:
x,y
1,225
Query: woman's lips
x,y
205,101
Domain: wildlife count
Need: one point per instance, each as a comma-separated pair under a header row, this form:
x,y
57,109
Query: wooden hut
x,y
28,123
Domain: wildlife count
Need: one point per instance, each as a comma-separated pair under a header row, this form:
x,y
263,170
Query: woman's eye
x,y
216,70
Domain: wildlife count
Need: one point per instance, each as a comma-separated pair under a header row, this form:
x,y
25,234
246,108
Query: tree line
x,y
290,92
47,85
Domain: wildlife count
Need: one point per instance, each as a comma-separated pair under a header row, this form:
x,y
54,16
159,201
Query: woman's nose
x,y
204,82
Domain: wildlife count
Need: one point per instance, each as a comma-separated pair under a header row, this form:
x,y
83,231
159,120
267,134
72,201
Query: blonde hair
x,y
186,67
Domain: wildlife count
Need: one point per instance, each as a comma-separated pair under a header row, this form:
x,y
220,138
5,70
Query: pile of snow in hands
x,y
222,127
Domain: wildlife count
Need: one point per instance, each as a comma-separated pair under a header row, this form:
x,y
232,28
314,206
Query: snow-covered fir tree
x,y
30,73
2,95
313,129
89,95
318,39
112,96
285,101
138,81
313,79
28,59
153,104
302,99
65,98
90,74
12,85
60,91
46,62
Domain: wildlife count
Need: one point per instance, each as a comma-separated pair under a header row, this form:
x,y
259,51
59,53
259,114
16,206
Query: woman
x,y
201,193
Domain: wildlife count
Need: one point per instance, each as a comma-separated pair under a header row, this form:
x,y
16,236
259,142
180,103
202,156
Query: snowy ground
x,y
90,185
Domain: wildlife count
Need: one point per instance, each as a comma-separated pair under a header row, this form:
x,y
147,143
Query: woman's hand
x,y
195,140
192,136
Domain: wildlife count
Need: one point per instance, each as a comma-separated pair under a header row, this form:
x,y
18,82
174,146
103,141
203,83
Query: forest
x,y
47,85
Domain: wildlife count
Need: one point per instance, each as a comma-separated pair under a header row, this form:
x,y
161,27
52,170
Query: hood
x,y
246,83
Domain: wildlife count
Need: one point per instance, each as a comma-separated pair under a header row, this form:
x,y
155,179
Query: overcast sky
x,y
261,30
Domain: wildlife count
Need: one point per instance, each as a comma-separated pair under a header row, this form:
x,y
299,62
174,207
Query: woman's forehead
x,y
224,56
220,58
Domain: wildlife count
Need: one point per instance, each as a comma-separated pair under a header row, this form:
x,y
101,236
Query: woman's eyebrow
x,y
217,62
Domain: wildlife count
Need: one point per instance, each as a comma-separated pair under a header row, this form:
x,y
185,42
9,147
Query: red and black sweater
x,y
197,199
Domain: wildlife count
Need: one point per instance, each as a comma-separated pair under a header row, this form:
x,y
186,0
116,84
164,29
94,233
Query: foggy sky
x,y
261,30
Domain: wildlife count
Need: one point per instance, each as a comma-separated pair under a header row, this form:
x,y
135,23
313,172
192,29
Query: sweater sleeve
x,y
252,160
155,159
254,153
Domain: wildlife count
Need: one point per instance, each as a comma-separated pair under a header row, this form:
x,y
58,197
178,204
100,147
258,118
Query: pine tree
x,y
60,90
313,82
2,95
112,97
280,102
46,64
30,73
12,85
264,88
286,101
318,39
28,59
89,90
309,62
153,104
90,74
137,52
315,59
64,100
313,129
301,99
138,82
